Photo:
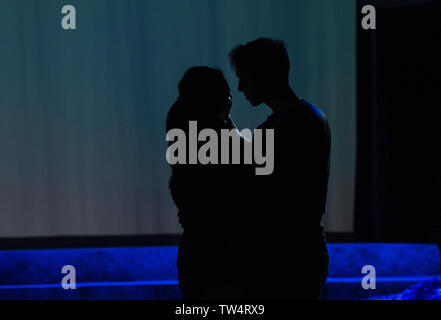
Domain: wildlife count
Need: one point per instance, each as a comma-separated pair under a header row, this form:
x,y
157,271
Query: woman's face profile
x,y
229,103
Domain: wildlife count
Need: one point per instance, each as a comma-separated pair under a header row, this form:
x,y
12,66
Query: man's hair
x,y
264,56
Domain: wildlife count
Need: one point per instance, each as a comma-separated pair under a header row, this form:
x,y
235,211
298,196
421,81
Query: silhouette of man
x,y
285,255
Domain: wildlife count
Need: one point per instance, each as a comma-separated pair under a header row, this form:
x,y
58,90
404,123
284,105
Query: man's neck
x,y
282,99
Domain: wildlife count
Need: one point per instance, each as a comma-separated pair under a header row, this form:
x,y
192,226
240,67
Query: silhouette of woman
x,y
206,196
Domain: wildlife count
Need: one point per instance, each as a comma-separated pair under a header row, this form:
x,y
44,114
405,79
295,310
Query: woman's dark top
x,y
209,201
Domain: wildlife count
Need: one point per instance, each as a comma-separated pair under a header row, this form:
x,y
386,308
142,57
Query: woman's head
x,y
205,88
203,93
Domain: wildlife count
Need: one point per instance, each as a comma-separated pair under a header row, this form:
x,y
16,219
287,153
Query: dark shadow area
x,y
399,109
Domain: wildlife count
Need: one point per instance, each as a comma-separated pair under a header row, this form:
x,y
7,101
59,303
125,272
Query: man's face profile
x,y
248,84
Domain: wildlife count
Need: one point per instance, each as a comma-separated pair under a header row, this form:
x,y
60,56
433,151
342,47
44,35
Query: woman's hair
x,y
202,94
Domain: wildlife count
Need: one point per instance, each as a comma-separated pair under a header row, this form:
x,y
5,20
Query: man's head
x,y
262,67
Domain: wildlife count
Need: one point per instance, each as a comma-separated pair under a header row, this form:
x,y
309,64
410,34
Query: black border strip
x,y
155,240
69,242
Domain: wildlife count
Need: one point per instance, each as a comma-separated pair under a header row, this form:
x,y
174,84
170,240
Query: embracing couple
x,y
249,236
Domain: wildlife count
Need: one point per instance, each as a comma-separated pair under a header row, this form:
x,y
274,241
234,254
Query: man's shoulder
x,y
302,114
313,112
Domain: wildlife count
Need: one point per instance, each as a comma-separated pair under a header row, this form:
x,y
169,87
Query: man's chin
x,y
255,103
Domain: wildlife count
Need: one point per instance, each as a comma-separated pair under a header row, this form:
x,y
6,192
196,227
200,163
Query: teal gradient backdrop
x,y
82,112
